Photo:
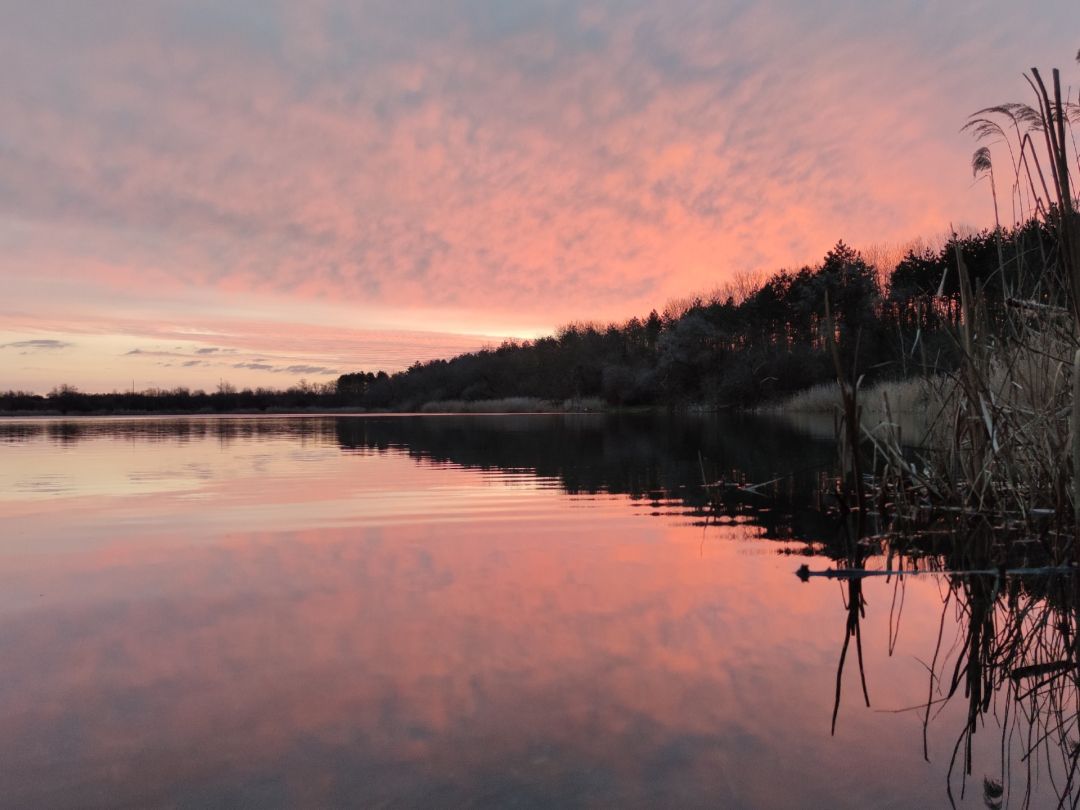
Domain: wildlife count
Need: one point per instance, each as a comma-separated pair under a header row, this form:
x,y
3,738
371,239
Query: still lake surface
x,y
443,611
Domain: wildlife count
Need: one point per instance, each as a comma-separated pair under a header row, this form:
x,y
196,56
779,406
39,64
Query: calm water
x,y
525,611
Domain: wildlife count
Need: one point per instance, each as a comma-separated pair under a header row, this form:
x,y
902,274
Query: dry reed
x,y
1004,445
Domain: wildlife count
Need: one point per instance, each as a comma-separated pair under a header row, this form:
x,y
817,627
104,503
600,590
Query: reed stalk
x,y
1004,447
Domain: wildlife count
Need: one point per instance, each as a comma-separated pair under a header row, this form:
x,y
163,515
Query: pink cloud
x,y
529,166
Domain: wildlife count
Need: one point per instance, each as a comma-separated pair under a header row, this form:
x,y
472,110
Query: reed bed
x,y
506,405
991,500
1003,427
912,401
911,395
513,405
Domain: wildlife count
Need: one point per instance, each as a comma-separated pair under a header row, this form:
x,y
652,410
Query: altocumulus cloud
x,y
477,166
508,157
293,369
43,345
307,370
255,366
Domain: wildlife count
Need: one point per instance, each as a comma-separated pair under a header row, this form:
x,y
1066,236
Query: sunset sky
x,y
260,191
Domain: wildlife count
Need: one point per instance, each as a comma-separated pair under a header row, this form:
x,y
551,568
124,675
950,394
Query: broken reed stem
x,y
849,437
1075,429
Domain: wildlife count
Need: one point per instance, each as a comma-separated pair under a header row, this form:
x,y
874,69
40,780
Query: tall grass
x,y
1005,446
505,405
912,402
997,485
912,395
512,405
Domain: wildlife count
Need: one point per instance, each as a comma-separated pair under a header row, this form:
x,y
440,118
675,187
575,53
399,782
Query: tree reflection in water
x,y
1006,648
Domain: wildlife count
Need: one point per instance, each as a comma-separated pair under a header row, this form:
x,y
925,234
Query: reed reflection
x,y
1007,649
1016,666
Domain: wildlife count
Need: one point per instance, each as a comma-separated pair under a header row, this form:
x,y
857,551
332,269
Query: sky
x,y
260,191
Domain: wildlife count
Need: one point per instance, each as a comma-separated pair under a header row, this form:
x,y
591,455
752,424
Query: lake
x,y
465,611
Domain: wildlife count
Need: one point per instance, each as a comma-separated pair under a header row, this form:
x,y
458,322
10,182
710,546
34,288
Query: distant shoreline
x,y
428,409
440,408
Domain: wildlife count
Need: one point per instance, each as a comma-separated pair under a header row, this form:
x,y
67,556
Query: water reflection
x,y
528,611
657,459
1014,667
1005,653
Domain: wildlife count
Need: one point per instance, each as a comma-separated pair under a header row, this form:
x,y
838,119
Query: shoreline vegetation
x,y
912,404
750,344
509,405
1001,443
975,334
990,501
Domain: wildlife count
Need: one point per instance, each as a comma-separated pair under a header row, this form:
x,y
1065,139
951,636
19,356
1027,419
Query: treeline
x,y
67,399
740,348
736,348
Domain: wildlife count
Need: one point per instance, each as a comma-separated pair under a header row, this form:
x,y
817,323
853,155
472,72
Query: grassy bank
x,y
910,406
513,405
